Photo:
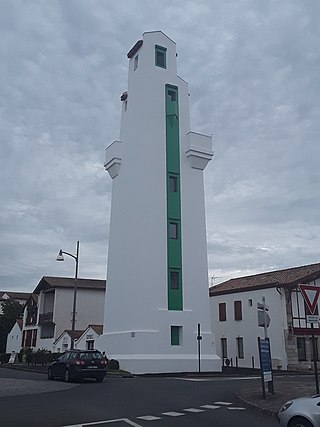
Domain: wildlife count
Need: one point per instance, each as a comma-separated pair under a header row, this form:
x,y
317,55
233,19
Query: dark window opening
x,y
173,230
222,312
301,346
160,56
174,280
237,310
173,184
224,349
172,95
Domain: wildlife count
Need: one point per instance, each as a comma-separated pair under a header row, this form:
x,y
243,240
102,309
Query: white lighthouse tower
x,y
157,277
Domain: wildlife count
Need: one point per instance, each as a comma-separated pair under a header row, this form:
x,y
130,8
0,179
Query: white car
x,y
301,412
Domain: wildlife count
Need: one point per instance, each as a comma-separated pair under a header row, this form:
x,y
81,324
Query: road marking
x,y
126,420
194,410
173,414
149,418
210,406
223,403
234,408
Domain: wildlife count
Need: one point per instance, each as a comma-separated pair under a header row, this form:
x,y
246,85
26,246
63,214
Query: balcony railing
x,y
46,318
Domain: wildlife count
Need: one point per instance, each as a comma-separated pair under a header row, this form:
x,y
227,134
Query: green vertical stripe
x,y
173,197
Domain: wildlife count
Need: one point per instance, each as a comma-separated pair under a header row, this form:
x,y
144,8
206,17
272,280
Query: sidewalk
x,y
284,390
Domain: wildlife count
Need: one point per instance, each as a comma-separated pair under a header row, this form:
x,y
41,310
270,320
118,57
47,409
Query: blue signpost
x,y
265,365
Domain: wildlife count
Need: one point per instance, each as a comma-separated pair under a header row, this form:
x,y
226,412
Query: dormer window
x,y
160,56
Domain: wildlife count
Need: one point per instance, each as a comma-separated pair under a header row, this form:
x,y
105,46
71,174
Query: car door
x,y
60,365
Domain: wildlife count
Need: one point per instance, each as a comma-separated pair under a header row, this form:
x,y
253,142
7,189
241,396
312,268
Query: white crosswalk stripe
x,y
223,403
173,414
235,408
149,418
210,406
194,410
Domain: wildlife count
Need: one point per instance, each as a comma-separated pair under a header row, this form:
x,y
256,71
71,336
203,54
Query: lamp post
x,y
76,258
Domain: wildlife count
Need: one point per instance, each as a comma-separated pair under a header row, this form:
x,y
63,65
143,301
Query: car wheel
x,y
67,376
299,422
50,376
99,379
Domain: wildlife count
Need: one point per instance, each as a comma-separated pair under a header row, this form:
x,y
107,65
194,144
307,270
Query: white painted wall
x,y
14,339
137,322
248,327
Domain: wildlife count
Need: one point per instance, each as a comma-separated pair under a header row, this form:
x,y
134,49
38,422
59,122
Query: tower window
x,y
135,64
176,335
173,184
173,230
160,56
174,279
172,95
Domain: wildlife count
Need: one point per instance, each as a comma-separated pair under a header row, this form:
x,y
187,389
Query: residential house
x,y
20,297
84,339
14,338
235,317
55,305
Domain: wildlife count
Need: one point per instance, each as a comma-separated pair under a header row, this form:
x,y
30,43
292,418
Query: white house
x,y
14,338
157,272
55,302
90,338
234,317
83,339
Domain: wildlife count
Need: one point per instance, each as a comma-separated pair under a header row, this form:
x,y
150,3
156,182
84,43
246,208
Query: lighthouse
x,y
157,316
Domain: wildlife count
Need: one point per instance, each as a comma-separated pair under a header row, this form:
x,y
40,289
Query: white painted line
x,y
223,403
126,420
194,410
234,408
173,414
149,418
210,406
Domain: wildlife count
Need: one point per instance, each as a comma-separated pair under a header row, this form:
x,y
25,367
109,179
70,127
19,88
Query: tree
x,y
11,311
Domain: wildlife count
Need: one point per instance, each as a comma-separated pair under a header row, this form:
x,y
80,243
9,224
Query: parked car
x,y
76,364
301,412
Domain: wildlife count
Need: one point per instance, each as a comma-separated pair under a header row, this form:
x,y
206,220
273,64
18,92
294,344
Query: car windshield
x,y
90,355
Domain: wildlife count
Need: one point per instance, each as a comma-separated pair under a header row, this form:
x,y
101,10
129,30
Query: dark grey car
x,y
77,364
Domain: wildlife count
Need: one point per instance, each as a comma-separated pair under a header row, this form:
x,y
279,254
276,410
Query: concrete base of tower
x,y
144,352
167,363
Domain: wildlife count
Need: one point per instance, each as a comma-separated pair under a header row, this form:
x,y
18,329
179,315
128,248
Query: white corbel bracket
x,y
199,149
113,158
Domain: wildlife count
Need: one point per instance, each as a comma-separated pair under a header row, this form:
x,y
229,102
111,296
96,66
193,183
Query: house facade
x,y
234,316
14,338
48,311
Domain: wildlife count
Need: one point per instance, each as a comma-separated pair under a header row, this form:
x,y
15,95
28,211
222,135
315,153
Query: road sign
x,y
310,294
263,316
312,318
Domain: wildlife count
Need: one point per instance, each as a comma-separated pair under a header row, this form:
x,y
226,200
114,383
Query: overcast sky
x,y
253,69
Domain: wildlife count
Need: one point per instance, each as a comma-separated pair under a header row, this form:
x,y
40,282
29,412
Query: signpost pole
x,y
315,356
199,338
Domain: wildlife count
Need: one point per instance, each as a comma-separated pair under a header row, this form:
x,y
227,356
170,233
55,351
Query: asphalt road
x,y
31,400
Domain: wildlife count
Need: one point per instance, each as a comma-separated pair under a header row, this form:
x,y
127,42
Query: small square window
x,y
160,56
173,230
136,61
174,280
173,184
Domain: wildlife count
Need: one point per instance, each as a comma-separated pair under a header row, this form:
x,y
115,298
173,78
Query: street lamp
x,y
76,258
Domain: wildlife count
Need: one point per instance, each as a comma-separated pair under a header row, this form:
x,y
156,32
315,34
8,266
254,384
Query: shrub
x,y
113,365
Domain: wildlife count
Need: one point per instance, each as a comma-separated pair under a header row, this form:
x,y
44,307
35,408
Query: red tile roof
x,y
281,278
